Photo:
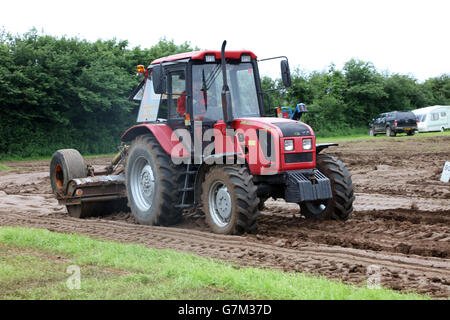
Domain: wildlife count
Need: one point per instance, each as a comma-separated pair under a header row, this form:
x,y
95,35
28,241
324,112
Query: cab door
x,y
176,98
178,104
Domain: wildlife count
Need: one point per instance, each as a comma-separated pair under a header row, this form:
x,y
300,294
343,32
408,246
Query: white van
x,y
434,118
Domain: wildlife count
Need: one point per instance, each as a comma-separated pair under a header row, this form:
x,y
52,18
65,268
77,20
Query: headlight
x,y
288,145
307,144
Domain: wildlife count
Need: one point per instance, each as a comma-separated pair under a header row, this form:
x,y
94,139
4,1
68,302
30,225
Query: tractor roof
x,y
200,55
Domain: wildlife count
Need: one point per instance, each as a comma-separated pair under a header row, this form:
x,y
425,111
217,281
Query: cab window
x,y
176,98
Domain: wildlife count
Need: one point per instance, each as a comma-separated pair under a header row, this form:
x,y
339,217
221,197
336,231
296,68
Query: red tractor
x,y
203,141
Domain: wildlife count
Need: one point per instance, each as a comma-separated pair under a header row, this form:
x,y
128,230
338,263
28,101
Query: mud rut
x,y
401,223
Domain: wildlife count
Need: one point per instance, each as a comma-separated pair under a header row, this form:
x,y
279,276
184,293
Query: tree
x,y
437,90
66,92
364,93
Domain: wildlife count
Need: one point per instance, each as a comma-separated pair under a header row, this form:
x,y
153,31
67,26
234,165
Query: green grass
x,y
153,274
360,137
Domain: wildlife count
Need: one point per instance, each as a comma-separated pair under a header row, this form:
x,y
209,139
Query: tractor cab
x,y
188,87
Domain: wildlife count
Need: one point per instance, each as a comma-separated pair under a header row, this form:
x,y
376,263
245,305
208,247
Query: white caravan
x,y
434,118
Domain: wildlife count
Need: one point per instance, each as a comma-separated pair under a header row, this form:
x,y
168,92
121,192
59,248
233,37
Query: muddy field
x,y
400,226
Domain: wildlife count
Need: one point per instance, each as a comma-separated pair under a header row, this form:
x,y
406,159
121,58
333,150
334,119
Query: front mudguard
x,y
322,146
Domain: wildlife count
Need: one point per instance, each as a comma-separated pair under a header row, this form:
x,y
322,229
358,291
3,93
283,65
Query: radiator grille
x,y
298,157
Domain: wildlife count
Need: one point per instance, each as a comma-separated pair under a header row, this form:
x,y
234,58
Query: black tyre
x,y
372,132
411,133
390,132
66,164
229,200
153,182
341,205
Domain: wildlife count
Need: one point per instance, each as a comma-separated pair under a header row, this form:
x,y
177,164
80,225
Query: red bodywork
x,y
226,143
262,166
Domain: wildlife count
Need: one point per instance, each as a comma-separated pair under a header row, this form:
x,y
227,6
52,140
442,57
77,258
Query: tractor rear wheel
x,y
341,205
229,200
153,183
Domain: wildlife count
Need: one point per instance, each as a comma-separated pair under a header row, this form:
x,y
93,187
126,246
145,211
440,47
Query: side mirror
x,y
286,73
159,80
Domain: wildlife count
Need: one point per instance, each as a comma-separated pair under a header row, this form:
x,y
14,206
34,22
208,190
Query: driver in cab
x,y
200,101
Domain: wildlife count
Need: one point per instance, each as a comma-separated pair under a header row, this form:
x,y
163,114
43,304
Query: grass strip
x,y
157,274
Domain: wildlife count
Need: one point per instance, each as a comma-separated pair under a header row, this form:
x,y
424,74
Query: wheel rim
x,y
220,204
388,131
142,184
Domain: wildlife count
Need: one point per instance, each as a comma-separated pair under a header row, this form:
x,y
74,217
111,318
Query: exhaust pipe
x,y
226,94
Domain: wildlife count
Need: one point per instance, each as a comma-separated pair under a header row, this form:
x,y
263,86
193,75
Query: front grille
x,y
298,157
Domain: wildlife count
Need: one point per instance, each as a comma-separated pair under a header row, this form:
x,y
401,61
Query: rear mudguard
x,y
163,133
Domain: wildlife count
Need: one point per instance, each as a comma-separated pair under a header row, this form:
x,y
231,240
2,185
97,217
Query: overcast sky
x,y
408,37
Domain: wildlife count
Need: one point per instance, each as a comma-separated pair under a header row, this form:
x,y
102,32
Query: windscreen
x,y
207,82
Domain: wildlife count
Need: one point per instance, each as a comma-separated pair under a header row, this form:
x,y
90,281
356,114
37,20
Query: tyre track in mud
x,y
398,271
398,231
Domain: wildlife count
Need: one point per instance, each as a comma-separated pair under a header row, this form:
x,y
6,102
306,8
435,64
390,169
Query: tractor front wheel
x,y
229,200
341,205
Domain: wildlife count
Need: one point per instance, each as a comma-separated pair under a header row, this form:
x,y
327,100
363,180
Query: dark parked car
x,y
391,123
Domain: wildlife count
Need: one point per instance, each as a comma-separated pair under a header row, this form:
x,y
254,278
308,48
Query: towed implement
x,y
203,141
84,192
